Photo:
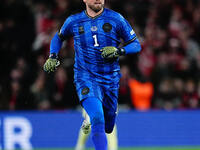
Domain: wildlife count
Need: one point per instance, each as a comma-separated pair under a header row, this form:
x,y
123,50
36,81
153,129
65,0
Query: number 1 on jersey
x,y
95,40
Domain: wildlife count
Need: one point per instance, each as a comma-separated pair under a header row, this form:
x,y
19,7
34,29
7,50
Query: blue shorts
x,y
107,94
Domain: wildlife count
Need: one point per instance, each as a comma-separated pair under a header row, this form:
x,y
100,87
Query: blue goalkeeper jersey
x,y
90,36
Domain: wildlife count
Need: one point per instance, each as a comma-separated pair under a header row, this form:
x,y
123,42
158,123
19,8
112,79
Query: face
x,y
95,5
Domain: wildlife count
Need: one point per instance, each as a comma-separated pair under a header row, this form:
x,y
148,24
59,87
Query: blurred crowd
x,y
164,75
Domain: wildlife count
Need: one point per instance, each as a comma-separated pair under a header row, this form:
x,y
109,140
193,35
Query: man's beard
x,y
96,9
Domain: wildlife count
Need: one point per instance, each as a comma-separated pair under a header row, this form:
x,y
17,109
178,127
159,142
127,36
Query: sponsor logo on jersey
x,y
81,30
94,28
85,91
132,32
107,27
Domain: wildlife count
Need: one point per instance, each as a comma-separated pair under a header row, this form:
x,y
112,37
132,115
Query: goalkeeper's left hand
x,y
110,52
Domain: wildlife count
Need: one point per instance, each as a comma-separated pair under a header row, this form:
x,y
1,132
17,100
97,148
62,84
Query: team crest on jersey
x,y
94,28
107,27
81,30
85,91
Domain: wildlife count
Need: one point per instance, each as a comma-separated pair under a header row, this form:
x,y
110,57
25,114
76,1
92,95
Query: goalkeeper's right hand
x,y
51,64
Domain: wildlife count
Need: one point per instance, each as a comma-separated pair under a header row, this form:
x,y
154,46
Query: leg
x,y
83,132
86,126
112,139
110,111
110,117
82,138
94,108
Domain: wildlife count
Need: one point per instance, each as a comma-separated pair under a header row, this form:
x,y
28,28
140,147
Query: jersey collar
x,y
95,16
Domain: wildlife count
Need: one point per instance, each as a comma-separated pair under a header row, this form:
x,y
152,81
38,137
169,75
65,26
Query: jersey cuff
x,y
53,56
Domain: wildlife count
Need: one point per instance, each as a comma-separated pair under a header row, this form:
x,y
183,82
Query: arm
x,y
110,52
128,35
56,43
132,47
59,37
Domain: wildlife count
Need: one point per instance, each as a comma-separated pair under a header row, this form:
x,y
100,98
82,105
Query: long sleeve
x,y
132,44
133,47
59,37
56,44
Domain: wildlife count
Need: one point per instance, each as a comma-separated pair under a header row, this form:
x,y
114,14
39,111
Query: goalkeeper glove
x,y
52,63
110,52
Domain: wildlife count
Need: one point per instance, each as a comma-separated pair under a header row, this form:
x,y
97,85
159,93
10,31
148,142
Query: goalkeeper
x,y
97,32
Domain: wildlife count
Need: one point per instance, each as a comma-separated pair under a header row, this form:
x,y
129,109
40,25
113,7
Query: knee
x,y
109,129
98,118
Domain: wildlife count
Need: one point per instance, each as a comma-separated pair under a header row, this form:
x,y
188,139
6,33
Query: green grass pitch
x,y
138,148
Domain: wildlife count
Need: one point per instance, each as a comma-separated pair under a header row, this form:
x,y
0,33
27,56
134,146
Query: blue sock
x,y
99,137
94,108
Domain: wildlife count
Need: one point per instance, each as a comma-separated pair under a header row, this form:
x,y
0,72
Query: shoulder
x,y
113,14
75,17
